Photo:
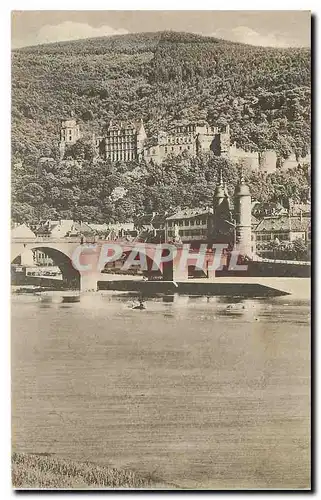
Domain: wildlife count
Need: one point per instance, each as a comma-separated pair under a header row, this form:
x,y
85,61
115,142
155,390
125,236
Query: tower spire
x,y
242,181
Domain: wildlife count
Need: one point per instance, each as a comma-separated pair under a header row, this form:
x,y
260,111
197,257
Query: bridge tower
x,y
242,209
219,194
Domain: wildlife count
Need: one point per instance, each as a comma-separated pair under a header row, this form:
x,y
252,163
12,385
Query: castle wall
x,y
159,152
248,159
268,160
292,161
126,142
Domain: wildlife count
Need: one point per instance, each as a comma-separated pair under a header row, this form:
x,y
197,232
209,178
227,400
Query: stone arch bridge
x,y
63,252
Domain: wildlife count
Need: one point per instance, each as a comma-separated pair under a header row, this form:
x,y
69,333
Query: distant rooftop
x,y
190,212
284,223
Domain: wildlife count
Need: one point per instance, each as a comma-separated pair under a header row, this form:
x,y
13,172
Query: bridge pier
x,y
210,274
27,258
89,282
180,274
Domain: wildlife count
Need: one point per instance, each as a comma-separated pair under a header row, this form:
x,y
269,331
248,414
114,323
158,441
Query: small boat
x,y
140,306
71,298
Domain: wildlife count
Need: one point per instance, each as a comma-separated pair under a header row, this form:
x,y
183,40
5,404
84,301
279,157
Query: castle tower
x,y
141,138
69,134
242,211
225,141
221,142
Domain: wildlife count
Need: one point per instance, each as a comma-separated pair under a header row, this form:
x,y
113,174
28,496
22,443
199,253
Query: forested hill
x,y
264,93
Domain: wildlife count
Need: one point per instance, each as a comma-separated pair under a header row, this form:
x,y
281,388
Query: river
x,y
194,393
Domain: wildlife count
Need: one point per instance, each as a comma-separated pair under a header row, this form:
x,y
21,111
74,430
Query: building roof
x,y
153,218
46,227
268,208
297,208
284,223
120,125
81,227
254,221
127,226
190,212
22,231
98,227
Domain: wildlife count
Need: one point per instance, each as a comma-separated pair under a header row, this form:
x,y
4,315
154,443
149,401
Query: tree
x,y
300,249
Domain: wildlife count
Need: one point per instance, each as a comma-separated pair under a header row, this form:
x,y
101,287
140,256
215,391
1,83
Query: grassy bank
x,y
39,471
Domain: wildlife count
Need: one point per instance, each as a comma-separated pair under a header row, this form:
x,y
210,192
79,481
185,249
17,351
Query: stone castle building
x,y
69,134
128,141
194,138
122,141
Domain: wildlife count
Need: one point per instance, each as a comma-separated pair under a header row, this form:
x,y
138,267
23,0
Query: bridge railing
x,y
43,239
280,261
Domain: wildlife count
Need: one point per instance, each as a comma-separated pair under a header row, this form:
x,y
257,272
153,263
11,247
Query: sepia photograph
x,y
160,246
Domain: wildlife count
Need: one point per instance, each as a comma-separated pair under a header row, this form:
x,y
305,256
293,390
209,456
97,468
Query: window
x,y
172,148
165,150
180,148
198,222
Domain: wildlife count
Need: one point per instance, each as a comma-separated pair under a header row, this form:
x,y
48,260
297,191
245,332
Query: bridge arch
x,y
60,257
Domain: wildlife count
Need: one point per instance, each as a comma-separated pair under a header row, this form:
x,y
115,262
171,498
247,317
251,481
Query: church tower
x,y
242,210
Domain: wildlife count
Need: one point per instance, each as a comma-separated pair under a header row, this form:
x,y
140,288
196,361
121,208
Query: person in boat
x,y
141,304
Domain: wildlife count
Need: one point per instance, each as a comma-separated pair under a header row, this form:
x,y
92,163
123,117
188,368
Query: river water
x,y
195,393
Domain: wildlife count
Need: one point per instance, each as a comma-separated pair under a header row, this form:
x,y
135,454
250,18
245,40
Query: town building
x,y
40,258
282,230
222,223
189,226
115,231
63,228
151,227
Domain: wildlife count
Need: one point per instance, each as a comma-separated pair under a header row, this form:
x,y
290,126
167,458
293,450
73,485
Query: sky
x,y
265,28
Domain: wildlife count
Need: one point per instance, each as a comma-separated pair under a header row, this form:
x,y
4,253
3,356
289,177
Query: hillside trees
x,y
263,93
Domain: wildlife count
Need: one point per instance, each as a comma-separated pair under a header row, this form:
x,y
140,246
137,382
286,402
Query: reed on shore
x,y
45,471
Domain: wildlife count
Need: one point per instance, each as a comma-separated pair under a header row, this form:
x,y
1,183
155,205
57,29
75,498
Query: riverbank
x,y
49,472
